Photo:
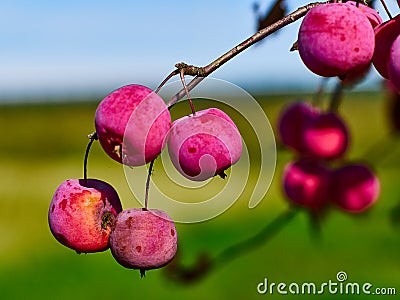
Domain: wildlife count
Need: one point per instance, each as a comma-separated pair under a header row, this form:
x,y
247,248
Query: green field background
x,y
42,145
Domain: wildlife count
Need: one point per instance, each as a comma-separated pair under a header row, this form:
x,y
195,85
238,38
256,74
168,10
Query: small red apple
x,y
143,239
354,188
325,136
82,213
131,124
292,121
205,144
306,183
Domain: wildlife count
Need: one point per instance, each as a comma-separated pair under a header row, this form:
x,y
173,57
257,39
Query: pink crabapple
x,y
82,213
354,188
325,136
291,122
306,183
372,15
312,133
204,144
394,64
344,41
143,239
385,34
131,124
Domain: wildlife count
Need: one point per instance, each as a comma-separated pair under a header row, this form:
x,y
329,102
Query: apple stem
x,y
203,72
93,136
146,196
182,75
142,273
386,9
172,74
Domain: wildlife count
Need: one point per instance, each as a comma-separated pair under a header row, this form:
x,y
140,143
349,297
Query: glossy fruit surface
x,y
306,183
292,122
325,136
354,187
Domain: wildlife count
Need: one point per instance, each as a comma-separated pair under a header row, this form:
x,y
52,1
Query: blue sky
x,y
71,47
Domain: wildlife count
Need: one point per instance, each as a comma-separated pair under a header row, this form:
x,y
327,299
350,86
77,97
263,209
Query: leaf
x,y
369,3
276,12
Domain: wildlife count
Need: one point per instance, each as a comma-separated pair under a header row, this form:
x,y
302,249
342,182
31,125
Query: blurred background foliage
x,y
42,145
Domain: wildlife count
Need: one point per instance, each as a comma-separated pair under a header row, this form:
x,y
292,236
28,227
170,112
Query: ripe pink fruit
x,y
394,64
131,124
81,214
143,239
313,133
354,188
325,136
385,34
204,144
292,121
372,15
306,183
334,39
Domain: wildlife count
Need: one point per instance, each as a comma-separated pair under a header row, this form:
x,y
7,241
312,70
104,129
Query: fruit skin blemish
x,y
343,43
143,239
82,213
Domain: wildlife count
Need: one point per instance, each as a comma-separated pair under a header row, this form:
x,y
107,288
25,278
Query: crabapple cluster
x,y
133,124
319,139
350,37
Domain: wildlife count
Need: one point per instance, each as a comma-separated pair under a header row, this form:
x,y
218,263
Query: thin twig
x,y
172,74
386,9
182,74
258,36
204,265
260,238
146,196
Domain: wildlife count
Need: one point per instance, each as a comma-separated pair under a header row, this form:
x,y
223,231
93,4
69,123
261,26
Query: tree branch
x,y
258,36
204,264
